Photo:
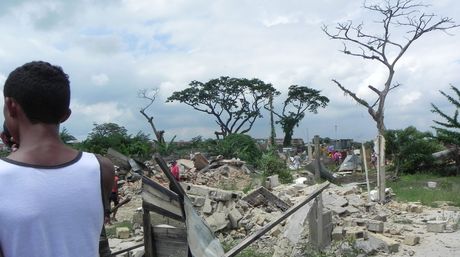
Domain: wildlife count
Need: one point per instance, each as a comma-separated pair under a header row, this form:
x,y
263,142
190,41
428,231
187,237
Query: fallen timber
x,y
185,238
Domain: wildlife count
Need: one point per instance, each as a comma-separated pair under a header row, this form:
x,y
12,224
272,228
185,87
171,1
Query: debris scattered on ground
x,y
216,191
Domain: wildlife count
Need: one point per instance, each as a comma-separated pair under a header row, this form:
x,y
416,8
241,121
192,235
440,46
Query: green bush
x,y
272,164
410,150
240,146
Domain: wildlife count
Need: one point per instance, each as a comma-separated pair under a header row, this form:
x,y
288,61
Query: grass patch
x,y
250,251
413,188
111,230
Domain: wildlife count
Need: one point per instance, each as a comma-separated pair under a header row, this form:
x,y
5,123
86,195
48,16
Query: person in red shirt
x,y
114,197
175,170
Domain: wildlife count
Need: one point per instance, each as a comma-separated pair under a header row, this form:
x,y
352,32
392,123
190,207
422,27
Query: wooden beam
x,y
148,239
248,240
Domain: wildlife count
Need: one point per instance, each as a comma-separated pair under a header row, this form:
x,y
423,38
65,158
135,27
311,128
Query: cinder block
x,y
234,216
122,232
411,239
436,226
207,207
375,226
387,244
355,232
337,234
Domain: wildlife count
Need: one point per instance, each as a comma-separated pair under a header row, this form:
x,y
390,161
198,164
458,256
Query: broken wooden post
x,y
367,173
317,159
381,165
248,240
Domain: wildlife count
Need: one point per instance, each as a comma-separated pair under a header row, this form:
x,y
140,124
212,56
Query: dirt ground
x,y
433,245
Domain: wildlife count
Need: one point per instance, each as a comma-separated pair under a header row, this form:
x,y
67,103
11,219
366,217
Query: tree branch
x,y
353,95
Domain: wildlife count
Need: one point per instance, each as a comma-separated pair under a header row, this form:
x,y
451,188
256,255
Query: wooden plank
x,y
158,190
170,241
156,209
147,234
161,200
248,240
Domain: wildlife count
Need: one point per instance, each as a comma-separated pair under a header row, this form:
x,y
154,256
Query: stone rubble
x,y
232,215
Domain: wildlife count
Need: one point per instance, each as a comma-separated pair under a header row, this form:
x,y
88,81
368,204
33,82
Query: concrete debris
x,y
122,232
349,219
436,226
411,239
199,161
261,196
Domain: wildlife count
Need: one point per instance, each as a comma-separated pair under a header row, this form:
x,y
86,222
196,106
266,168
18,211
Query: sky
x,y
111,49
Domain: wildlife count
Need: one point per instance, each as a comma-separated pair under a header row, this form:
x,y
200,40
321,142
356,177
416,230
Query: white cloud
x,y
100,112
409,98
122,46
2,79
279,20
100,79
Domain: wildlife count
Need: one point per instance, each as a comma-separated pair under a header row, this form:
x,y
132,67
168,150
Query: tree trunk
x,y
288,131
158,134
271,141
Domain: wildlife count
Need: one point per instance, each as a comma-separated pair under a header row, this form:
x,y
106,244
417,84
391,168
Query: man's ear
x,y
66,115
11,107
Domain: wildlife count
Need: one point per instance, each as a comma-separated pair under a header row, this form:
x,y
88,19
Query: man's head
x,y
42,90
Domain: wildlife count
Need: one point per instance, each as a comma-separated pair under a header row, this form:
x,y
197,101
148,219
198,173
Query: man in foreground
x,y
51,196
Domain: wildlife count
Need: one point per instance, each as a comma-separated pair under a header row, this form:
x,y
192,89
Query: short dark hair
x,y
41,89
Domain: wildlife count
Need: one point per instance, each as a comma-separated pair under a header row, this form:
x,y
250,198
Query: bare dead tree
x,y
386,48
150,95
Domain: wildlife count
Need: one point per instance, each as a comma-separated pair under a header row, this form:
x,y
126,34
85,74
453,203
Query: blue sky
x,y
111,49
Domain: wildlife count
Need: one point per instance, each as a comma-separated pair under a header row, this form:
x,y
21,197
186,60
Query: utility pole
x,y
336,145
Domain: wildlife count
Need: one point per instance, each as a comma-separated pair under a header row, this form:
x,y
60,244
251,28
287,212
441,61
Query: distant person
x,y
7,139
297,161
52,196
175,170
374,160
114,197
176,174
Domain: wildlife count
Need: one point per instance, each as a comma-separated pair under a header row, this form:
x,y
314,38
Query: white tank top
x,y
51,211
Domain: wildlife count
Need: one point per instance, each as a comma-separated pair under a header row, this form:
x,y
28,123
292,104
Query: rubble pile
x,y
216,192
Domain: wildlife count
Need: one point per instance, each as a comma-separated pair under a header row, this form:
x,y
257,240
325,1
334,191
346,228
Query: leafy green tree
x,y
271,164
448,131
410,150
104,136
240,146
112,135
299,100
139,146
235,103
65,136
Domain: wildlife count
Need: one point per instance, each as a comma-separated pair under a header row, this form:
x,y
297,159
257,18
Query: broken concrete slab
x,y
207,206
337,233
122,232
199,161
411,239
436,226
234,216
355,200
384,243
272,182
354,233
217,221
262,196
375,226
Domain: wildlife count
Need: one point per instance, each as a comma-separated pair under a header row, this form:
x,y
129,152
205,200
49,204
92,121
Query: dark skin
x,y
40,144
